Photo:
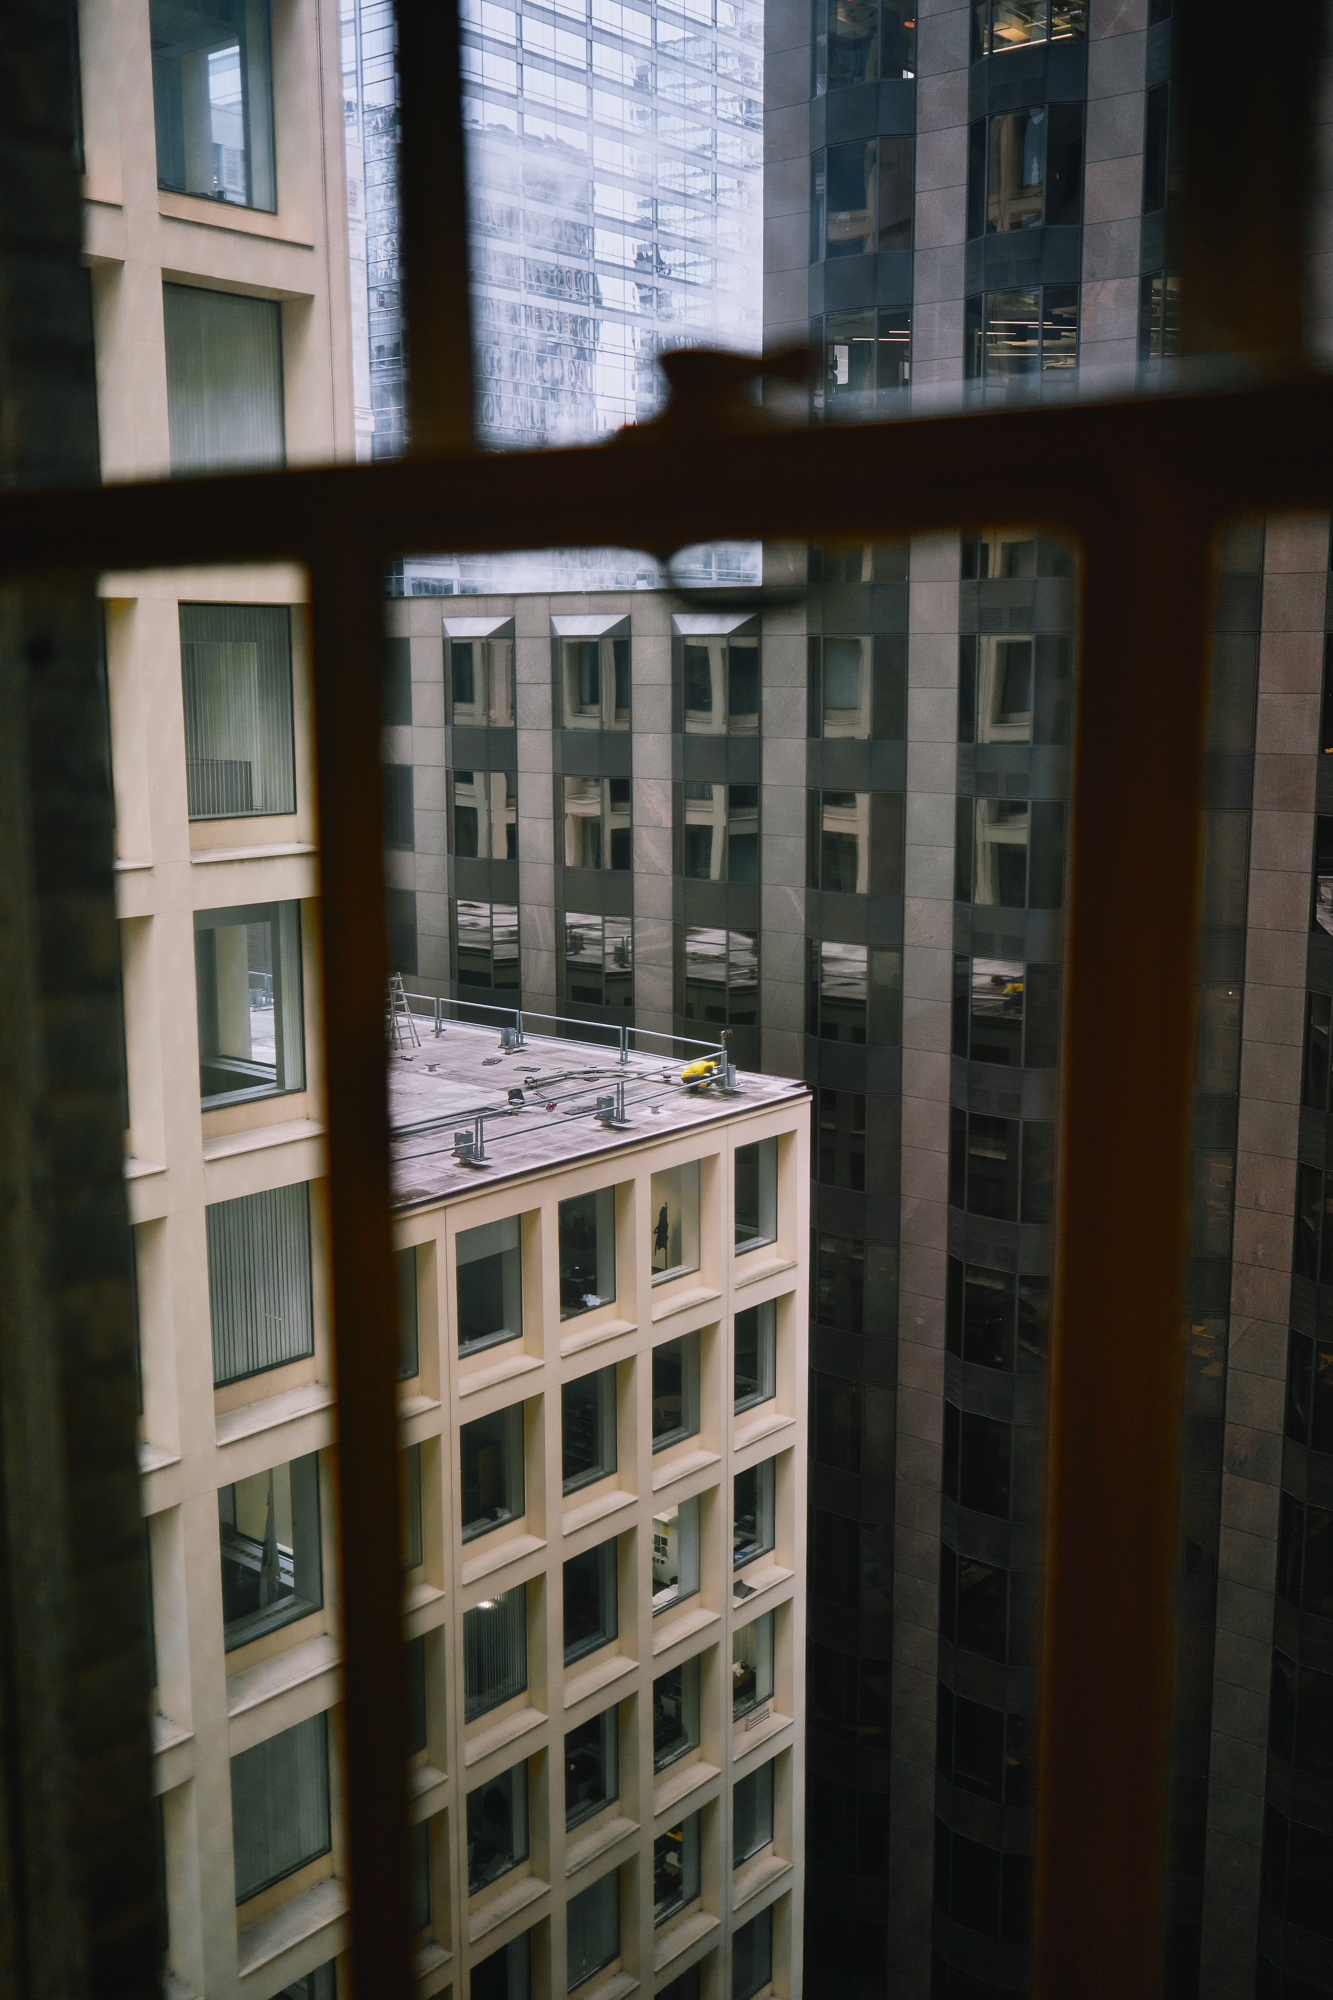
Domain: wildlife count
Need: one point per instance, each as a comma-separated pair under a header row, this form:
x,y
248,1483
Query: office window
x,y
1305,1556
592,1766
224,380
321,1984
1159,318
1010,853
838,1145
400,920
675,1553
974,1605
1156,147
861,198
587,1429
840,681
1318,1044
598,830
236,682
587,1250
486,947
1323,875
751,1814
1028,335
409,1356
1001,1167
756,1354
260,1302
1294,1876
675,1713
396,683
753,1531
998,25
418,1727
1025,168
862,44
837,1271
490,1284
590,1601
969,1744
247,968
497,1827
495,1652
213,101
414,1543
675,1390
995,678
673,1204
848,1698
853,992
506,1974
280,1806
996,1320
718,828
752,1956
599,960
983,1890
721,977
1309,1415
854,842
268,1528
483,815
675,1869
479,683
419,1863
1005,1012
720,685
756,1195
752,1666
867,366
490,1451
399,815
1300,1717
596,682
593,1929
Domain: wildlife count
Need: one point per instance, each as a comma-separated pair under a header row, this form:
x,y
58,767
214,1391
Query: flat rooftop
x,y
445,1084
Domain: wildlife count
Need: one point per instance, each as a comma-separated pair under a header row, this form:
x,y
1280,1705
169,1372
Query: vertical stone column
x,y
650,716
782,823
941,193
932,700
786,172
536,805
1112,190
1291,655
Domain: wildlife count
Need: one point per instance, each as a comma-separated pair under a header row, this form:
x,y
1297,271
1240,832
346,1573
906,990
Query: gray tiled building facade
x,y
838,829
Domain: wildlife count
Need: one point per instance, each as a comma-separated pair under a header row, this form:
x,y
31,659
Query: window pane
x,y
593,1920
1017,170
268,1526
259,1292
675,1390
590,1601
752,1956
592,1757
851,228
399,813
280,1806
675,1553
247,964
236,681
588,1429
414,1548
505,1975
675,1713
674,1205
587,1233
1014,22
675,1869
224,380
491,1461
751,1814
497,1827
756,1170
846,688
752,1666
755,1354
495,1652
754,1525
490,1289
409,1358
213,100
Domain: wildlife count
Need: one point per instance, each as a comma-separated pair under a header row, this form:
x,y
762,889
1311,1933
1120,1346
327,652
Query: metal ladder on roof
x,y
400,1012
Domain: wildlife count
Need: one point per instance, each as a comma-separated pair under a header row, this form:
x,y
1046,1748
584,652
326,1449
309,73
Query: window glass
x,y
846,191
988,1003
839,1140
756,1199
587,1239
490,1288
980,1315
483,815
1023,336
756,1346
497,1827
418,1723
414,1549
260,1301
596,681
721,977
495,1652
752,1666
409,1357
868,354
753,1532
675,1869
480,682
224,380
674,1207
400,917
675,1390
268,1526
974,1605
598,832
752,1956
854,992
858,41
719,831
590,1601
486,955
599,960
593,1929
839,843
396,684
751,1814
1318,1044
213,100
420,1883
587,1429
247,964
506,1974
675,1553
236,681
844,670
970,1747
675,1713
720,685
592,1766
490,1452
280,1806
399,809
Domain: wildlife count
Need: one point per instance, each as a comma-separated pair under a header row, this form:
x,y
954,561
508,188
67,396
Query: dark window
x,y
268,1526
751,1814
490,1451
851,1424
755,1350
587,1250
867,366
862,44
1159,318
592,1934
854,993
980,1889
409,1355
399,818
754,1527
1310,1392
592,1766
848,1697
590,1600
977,1453
418,1725
1156,146
280,1805
490,1284
497,1827
752,1956
675,1713
974,1605
844,206
1295,1872
1318,1022
675,1390
756,1194
1305,1556
1300,1717
213,101
675,1869
840,1139
505,1975
969,1749
396,683
984,1166
587,1429
400,917
419,1863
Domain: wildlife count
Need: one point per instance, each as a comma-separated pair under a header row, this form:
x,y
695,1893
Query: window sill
x,y
134,1169
765,1423
679,1937
681,1468
754,1876
676,1630
678,1781
291,1924
500,1734
271,1411
698,1295
493,1559
425,1791
156,1457
201,857
129,867
264,1682
432,1958
743,1272
748,1732
612,1667
592,1336
513,1365
231,215
605,1834
499,1910
758,1577
227,1144
599,1509
423,1609
616,1987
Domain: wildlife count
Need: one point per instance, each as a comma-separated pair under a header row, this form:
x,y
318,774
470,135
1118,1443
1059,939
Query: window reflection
x,y
1008,553
599,960
719,831
995,678
598,832
1024,336
1159,318
1009,853
854,992
840,841
719,676
483,815
479,683
867,363
486,945
595,677
721,976
998,25
1025,168
862,198
859,41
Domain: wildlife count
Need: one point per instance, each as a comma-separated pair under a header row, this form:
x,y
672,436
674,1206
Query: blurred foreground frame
x,y
1250,434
